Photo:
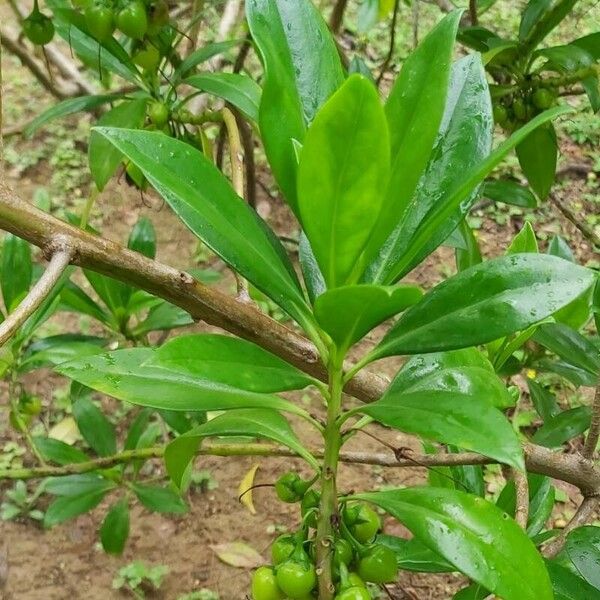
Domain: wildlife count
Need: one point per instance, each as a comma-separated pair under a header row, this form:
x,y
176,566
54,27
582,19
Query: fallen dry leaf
x,y
245,491
238,554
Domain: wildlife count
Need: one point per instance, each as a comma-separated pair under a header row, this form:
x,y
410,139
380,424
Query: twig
x,y
248,145
68,69
337,16
522,497
416,14
585,513
473,12
38,293
9,41
392,45
591,442
587,232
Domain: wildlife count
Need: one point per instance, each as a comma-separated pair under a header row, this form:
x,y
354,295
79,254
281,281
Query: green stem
x,y
328,508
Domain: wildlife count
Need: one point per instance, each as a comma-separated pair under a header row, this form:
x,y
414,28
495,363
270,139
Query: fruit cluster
x,y
511,111
356,557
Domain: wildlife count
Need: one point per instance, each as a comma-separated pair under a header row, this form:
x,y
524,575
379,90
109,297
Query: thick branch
x,y
591,441
522,497
202,302
585,513
38,293
337,15
246,321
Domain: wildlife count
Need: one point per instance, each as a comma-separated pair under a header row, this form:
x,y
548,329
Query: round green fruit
x,y
379,565
296,579
100,21
38,28
158,112
354,593
282,548
147,57
264,585
132,20
362,521
543,98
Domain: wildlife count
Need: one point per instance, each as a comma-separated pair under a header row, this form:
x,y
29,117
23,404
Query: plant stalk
x,y
328,509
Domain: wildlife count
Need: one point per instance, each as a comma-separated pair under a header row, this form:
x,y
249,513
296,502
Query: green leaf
x,y
470,254
570,345
202,55
103,157
162,317
302,69
72,297
563,427
524,241
142,238
574,374
472,592
348,313
114,530
486,302
68,107
567,586
59,353
533,12
474,536
342,177
558,246
203,198
231,361
235,88
260,423
543,400
123,375
468,421
540,17
77,485
590,43
58,452
136,429
413,555
568,57
463,371
17,270
160,499
509,192
472,175
95,428
583,548
68,507
414,111
537,155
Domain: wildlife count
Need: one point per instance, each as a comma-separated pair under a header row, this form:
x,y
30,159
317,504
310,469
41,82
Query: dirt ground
x,y
67,562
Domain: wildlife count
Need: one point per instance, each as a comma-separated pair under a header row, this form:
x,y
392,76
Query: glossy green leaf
x,y
538,154
472,592
570,345
203,198
590,43
103,157
474,536
567,586
533,12
142,238
486,302
258,423
543,400
202,55
68,507
114,530
313,278
414,111
583,548
430,164
563,427
302,69
235,88
231,361
160,499
524,241
348,313
342,177
95,428
471,176
468,421
67,107
58,452
137,428
463,371
558,246
61,352
540,17
470,255
17,270
73,298
162,317
123,375
565,58
574,374
509,192
413,555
